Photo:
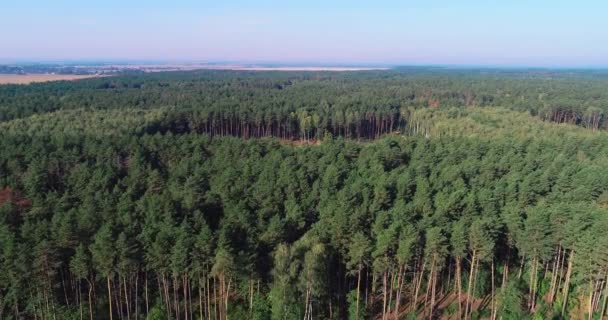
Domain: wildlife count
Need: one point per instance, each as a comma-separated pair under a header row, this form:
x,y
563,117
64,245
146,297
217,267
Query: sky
x,y
315,32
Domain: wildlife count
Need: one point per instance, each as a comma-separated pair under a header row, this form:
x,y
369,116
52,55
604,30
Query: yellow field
x,y
29,78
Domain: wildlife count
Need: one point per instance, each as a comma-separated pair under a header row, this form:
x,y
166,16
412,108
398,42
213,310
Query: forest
x,y
410,193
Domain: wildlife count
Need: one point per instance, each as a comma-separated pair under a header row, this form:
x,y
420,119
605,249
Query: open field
x,y
29,78
205,66
258,68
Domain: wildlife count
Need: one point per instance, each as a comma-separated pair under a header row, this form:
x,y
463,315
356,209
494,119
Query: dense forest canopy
x,y
427,193
304,104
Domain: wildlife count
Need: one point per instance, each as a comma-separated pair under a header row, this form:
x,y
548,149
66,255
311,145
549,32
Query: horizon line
x,y
302,63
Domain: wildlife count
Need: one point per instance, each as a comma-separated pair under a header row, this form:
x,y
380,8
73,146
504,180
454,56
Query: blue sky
x,y
452,32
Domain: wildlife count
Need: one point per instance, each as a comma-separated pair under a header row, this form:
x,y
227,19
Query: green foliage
x,y
157,312
352,307
103,250
136,181
261,308
451,309
510,301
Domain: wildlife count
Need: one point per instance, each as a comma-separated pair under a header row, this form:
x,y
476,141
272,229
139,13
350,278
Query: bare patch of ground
x,y
29,78
7,195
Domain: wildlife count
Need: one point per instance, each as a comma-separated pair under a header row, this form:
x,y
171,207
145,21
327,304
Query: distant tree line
x,y
300,105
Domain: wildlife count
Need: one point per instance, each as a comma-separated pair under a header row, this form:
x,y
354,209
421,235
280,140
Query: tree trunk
x,y
146,290
400,281
567,283
137,295
79,296
590,309
432,277
227,296
358,292
605,298
200,298
468,300
390,294
493,293
208,297
250,296
384,295
521,266
109,296
475,273
554,274
175,283
90,303
185,293
306,303
458,283
419,284
532,285
124,281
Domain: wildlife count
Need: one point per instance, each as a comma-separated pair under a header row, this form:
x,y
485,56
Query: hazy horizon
x,y
470,33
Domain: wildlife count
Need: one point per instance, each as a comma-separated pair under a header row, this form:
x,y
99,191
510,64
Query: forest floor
x,y
29,78
443,303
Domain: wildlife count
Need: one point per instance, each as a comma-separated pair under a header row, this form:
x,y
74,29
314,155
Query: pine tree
x,y
104,258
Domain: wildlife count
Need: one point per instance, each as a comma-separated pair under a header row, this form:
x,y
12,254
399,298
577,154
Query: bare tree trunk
x,y
146,290
493,293
561,271
166,296
137,295
384,295
366,286
400,281
358,293
468,300
228,296
216,298
90,303
475,273
79,298
590,310
419,284
208,297
306,303
109,296
458,283
532,286
603,312
390,293
555,270
175,302
124,281
432,278
567,283
200,299
185,293
250,296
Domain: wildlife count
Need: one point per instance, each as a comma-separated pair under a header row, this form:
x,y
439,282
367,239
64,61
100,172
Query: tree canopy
x,y
118,200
